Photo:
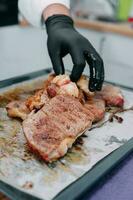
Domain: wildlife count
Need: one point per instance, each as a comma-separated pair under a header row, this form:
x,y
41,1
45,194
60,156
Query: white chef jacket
x,y
33,9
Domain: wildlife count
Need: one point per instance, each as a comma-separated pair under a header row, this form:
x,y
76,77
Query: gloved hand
x,y
63,39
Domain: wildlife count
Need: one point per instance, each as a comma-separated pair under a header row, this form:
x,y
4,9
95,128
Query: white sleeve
x,y
32,9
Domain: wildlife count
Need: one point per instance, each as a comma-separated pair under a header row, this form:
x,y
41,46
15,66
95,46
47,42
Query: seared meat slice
x,y
60,112
54,128
96,106
62,85
39,99
112,95
48,81
17,109
66,104
83,84
61,80
54,85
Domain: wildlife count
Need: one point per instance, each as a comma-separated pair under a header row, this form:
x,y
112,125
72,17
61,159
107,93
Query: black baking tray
x,y
77,189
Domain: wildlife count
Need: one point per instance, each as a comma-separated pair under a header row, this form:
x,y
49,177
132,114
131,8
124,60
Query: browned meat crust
x,y
38,100
53,129
97,107
17,109
112,96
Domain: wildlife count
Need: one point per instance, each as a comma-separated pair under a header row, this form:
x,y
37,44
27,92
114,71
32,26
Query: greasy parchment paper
x,y
21,169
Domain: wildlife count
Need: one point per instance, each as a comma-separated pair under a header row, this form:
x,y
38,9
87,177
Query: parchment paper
x,y
20,168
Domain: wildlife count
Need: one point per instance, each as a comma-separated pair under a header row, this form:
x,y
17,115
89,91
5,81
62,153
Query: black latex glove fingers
x,y
79,64
82,52
56,60
64,39
96,70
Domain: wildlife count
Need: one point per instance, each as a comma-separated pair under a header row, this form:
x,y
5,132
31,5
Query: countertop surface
x,y
124,29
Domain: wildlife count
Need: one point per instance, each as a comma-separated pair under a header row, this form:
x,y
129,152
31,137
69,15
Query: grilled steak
x,y
54,128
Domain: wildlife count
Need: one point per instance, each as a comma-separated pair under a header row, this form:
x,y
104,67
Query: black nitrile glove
x,y
63,39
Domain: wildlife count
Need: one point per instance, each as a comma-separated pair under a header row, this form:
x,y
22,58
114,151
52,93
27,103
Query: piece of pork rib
x,y
55,127
17,109
39,99
112,96
53,86
61,84
96,106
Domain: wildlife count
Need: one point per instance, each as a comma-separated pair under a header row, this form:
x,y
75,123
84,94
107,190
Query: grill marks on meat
x,y
65,105
97,107
51,135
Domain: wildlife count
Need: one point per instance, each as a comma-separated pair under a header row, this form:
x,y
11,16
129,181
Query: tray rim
x,y
90,178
